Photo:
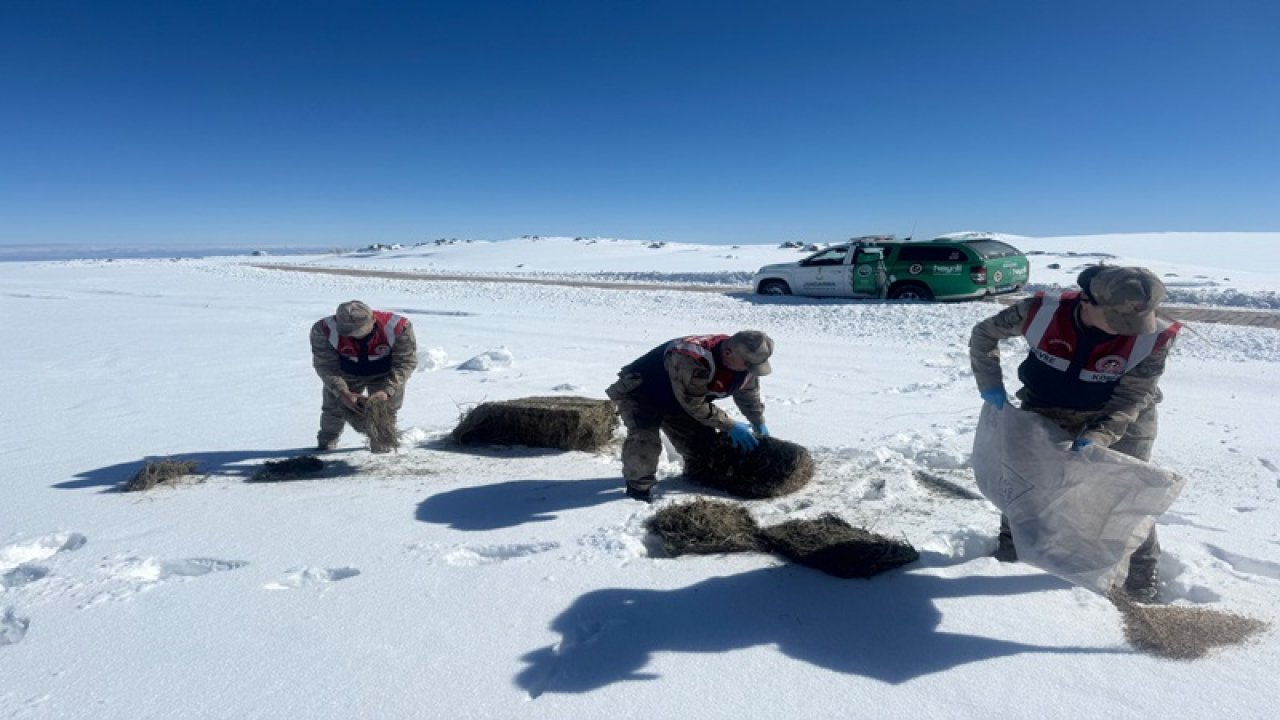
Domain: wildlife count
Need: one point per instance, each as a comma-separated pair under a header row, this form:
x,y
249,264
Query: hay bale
x,y
775,467
159,472
563,422
1182,633
705,527
291,469
837,548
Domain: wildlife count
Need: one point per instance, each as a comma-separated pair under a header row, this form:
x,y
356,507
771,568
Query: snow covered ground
x,y
516,582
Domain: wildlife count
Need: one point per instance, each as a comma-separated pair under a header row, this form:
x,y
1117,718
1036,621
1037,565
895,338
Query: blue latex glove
x,y
761,429
996,396
1080,444
742,438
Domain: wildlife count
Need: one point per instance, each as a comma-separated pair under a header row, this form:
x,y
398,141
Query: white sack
x,y
1076,515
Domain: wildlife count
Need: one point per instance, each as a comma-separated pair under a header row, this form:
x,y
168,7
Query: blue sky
x,y
344,123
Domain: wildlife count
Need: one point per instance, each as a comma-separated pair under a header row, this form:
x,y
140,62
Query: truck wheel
x,y
910,291
774,287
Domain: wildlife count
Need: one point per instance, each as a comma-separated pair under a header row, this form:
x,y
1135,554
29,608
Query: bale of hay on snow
x,y
837,548
705,527
775,467
291,469
563,422
159,472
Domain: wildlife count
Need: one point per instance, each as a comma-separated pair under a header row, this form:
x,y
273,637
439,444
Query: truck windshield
x,y
830,256
988,249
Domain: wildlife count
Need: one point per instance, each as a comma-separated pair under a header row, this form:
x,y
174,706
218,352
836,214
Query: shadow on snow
x,y
508,504
885,629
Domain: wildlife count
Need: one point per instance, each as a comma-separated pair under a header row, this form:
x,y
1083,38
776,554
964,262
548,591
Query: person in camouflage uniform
x,y
672,388
358,350
1094,366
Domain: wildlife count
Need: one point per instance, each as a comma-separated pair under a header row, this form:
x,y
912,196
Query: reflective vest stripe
x,y
1041,319
332,324
390,328
1142,348
694,350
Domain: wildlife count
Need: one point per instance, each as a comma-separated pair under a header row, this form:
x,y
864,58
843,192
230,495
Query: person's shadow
x,y
242,464
508,504
885,628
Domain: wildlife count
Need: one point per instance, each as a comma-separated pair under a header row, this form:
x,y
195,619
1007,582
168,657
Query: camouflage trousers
x,y
1137,442
644,422
334,416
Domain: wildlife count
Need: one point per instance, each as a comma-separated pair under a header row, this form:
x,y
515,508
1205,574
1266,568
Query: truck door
x,y
822,274
869,274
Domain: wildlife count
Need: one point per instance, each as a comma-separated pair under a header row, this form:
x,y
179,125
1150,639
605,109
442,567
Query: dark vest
x,y
364,357
656,387
1075,367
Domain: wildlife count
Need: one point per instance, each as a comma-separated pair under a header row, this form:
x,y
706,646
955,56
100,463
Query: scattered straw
x,y
1182,633
705,527
775,467
835,547
291,469
946,488
159,472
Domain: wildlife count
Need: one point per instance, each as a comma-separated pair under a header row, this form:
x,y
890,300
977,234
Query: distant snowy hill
x,y
1228,269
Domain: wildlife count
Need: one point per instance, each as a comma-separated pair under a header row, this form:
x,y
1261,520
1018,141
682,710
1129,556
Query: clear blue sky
x,y
343,123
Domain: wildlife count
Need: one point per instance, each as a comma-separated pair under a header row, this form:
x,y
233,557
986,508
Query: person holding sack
x,y
1094,366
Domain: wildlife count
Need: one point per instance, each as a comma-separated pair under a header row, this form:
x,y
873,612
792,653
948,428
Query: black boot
x,y
644,495
1005,551
641,489
1143,583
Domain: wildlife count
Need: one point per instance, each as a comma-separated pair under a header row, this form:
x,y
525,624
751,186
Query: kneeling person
x,y
672,388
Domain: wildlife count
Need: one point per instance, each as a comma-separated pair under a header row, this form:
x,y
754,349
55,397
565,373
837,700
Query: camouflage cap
x,y
355,319
755,348
1128,298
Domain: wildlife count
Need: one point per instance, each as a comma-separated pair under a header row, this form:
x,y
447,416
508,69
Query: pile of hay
x,y
380,425
1182,633
376,420
705,527
828,543
775,467
291,469
159,472
563,422
837,548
